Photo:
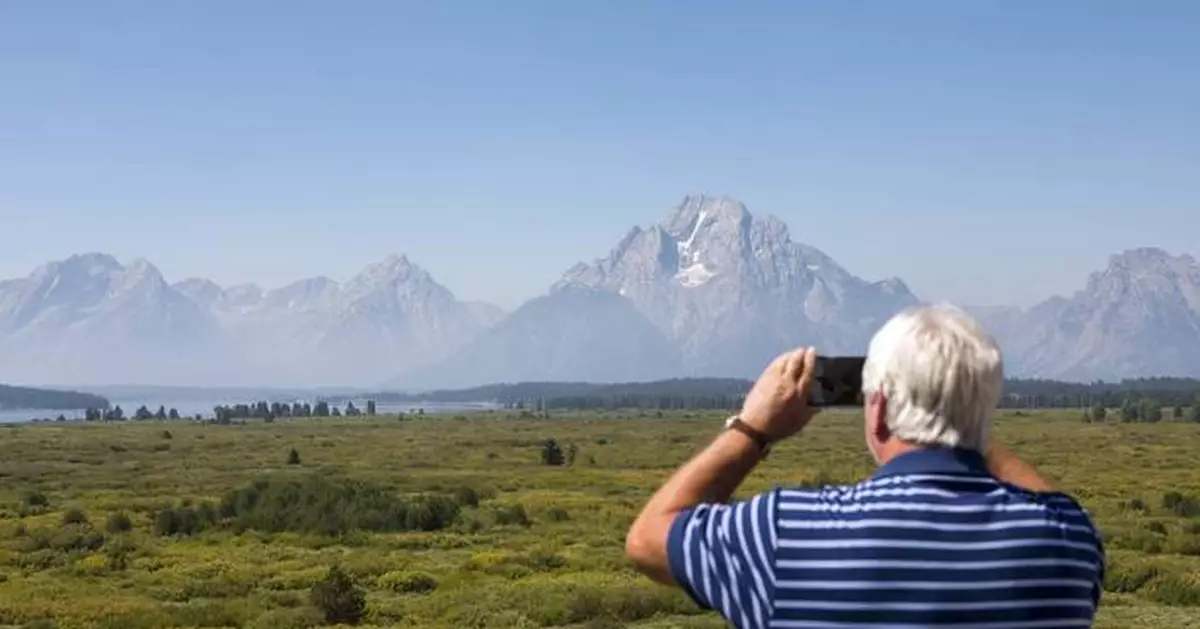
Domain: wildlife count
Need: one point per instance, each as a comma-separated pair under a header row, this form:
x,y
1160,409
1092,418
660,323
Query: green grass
x,y
562,566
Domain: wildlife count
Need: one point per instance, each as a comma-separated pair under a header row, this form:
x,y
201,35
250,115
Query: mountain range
x,y
712,290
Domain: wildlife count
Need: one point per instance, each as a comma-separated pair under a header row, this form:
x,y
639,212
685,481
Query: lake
x,y
189,408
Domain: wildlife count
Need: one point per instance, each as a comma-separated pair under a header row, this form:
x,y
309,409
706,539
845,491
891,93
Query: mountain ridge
x,y
710,290
89,320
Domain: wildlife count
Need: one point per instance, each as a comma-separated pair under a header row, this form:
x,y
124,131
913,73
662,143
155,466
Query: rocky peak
x,y
139,276
1138,275
244,295
731,287
202,291
94,264
700,211
303,293
391,271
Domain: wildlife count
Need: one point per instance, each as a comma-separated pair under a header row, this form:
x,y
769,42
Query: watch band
x,y
761,440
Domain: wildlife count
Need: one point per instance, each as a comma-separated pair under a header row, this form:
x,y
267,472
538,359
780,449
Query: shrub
x,y
543,560
166,434
35,499
37,540
1136,504
552,454
1185,544
116,555
1125,579
466,496
408,582
118,523
185,520
338,598
74,516
507,514
1172,589
43,559
430,513
220,587
1180,504
296,618
76,537
1138,539
318,505
164,522
206,614
1154,526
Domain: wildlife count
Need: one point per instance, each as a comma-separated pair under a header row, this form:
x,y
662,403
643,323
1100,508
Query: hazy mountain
x,y
724,289
576,333
1138,317
391,317
91,320
731,289
712,290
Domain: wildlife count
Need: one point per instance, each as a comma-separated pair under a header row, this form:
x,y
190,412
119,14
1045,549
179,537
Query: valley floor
x,y
531,545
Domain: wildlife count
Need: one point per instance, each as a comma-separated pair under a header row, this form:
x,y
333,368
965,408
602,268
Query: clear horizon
x,y
989,154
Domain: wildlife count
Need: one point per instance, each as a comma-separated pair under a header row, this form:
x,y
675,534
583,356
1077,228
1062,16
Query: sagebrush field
x,y
457,522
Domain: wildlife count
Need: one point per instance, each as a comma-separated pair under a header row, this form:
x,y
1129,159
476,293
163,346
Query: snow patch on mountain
x,y
695,275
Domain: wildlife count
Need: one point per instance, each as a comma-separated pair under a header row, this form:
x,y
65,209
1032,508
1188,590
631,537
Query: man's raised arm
x,y
1005,465
776,408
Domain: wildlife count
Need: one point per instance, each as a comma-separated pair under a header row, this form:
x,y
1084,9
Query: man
x,y
942,535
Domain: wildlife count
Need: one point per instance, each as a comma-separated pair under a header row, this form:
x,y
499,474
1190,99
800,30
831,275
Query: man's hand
x,y
778,404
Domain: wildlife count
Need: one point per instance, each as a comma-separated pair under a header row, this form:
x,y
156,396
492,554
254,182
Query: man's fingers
x,y
794,367
779,365
808,364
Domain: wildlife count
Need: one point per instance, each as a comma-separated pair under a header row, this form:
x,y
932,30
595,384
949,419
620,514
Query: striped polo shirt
x,y
930,540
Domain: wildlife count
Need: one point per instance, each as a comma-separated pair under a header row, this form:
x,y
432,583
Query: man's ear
x,y
878,420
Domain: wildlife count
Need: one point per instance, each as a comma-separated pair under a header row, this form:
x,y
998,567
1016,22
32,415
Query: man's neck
x,y
1001,463
893,448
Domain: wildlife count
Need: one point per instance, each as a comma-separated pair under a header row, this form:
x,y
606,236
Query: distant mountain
x,y
574,334
22,398
731,289
90,320
1138,317
711,291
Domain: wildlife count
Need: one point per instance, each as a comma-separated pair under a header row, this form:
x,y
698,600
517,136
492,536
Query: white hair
x,y
941,374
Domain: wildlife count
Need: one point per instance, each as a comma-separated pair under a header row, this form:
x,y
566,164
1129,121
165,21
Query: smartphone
x,y
837,381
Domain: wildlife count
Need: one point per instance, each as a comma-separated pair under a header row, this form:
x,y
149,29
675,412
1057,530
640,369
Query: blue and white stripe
x,y
927,543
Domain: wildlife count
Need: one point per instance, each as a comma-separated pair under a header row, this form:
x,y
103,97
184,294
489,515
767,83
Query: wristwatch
x,y
761,440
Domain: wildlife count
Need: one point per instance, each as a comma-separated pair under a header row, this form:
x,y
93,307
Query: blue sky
x,y
986,152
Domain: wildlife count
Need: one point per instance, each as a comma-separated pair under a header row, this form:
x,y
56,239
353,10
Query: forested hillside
x,y
24,397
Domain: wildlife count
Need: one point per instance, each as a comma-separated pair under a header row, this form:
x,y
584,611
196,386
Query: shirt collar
x,y
935,460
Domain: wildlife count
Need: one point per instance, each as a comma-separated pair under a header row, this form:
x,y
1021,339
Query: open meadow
x,y
459,522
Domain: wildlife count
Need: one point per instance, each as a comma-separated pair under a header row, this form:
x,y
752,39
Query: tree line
x,y
225,414
274,410
117,414
728,394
